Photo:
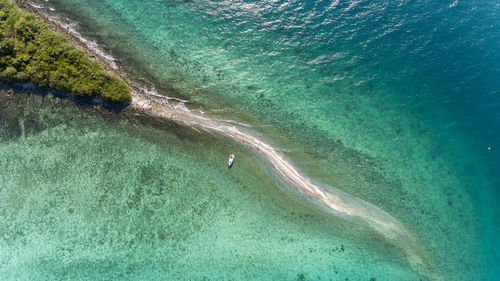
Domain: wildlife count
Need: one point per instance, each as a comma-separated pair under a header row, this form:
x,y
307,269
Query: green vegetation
x,y
30,51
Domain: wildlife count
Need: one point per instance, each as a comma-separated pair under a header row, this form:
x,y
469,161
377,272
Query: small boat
x,y
231,159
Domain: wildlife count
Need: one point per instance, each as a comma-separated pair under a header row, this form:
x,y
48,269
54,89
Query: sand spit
x,y
339,202
148,102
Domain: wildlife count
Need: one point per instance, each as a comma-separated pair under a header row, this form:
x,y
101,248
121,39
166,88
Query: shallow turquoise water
x,y
398,102
99,196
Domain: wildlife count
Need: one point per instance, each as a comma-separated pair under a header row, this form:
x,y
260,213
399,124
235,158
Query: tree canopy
x,y
30,51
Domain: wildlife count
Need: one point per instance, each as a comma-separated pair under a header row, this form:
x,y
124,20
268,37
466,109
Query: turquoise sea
x,y
394,102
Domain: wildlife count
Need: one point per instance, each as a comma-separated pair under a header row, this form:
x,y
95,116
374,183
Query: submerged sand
x,y
339,202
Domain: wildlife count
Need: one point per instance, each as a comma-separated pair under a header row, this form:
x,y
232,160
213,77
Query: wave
x,y
69,27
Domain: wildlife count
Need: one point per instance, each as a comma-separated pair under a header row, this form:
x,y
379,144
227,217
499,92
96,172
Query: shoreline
x,y
174,110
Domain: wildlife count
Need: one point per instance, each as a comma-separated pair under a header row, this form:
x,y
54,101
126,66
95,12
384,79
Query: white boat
x,y
231,159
